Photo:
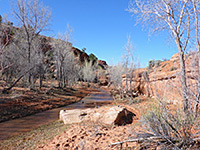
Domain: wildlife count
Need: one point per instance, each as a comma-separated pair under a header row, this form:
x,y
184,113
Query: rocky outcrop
x,y
102,64
163,80
116,115
82,56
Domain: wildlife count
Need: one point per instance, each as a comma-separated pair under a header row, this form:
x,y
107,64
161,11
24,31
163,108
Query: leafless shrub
x,y
89,71
115,74
175,131
115,79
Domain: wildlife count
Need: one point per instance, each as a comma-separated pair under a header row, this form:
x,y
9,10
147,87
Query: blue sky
x,y
102,27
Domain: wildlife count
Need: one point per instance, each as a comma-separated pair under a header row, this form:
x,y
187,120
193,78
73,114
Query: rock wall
x,y
163,80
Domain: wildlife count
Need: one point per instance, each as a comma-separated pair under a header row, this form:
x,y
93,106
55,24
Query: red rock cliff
x,y
163,80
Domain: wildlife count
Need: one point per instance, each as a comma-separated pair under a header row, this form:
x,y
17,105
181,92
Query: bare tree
x,y
128,62
16,55
173,16
66,67
125,67
33,17
115,74
25,49
179,17
196,9
5,38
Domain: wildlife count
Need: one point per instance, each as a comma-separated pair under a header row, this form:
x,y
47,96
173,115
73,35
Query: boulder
x,y
116,115
70,116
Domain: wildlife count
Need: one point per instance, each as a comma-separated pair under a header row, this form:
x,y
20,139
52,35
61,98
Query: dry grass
x,y
166,124
35,138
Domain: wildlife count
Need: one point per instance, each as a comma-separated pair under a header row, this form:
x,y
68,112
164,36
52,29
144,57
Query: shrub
x,y
1,19
93,58
10,23
173,68
89,72
153,63
157,63
171,129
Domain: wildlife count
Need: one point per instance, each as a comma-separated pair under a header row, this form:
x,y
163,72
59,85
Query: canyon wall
x,y
163,79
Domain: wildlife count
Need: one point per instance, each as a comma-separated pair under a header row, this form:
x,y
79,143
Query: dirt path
x,y
17,126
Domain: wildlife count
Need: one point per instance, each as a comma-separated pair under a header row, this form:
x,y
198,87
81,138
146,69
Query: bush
x,y
157,63
89,72
93,58
173,68
10,23
1,19
171,129
153,63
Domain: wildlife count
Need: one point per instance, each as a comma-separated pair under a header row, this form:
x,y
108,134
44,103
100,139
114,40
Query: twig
x,y
196,139
136,140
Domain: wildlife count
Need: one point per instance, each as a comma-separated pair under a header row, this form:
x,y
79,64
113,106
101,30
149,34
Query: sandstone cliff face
x,y
164,80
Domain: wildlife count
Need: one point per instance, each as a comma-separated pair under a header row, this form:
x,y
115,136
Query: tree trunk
x,y
198,88
198,54
126,83
29,56
15,82
40,81
182,72
183,80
